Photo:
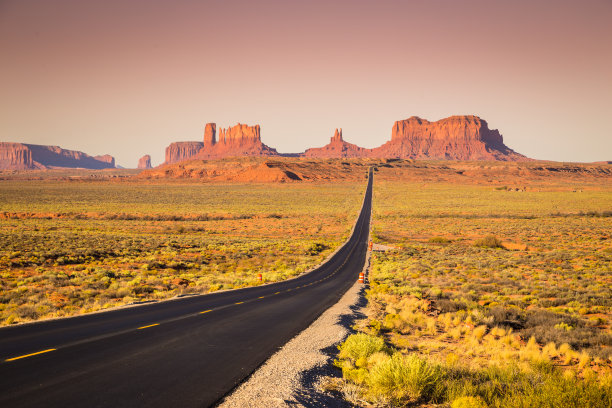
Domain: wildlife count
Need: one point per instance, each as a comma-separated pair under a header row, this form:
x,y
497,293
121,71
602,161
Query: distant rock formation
x,y
15,156
181,151
337,148
239,140
107,158
144,162
210,134
22,156
454,138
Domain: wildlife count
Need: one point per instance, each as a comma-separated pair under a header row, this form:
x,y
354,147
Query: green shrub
x,y
316,248
401,379
358,347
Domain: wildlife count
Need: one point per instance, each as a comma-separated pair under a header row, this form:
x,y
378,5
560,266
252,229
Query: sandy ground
x,y
290,378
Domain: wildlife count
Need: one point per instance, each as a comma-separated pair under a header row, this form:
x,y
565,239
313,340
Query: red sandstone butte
x,y
180,151
144,162
455,138
239,140
464,137
107,158
22,156
337,148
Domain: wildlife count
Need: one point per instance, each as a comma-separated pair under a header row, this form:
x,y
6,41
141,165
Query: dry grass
x,y
74,247
494,288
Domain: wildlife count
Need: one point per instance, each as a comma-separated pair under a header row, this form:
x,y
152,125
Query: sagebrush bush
x,y
358,347
439,240
490,241
403,379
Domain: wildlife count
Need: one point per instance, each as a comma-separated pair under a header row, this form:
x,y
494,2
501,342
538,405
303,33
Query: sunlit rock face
x,y
22,156
456,138
144,162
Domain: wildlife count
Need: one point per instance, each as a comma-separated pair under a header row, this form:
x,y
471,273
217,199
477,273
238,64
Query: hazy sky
x,y
129,77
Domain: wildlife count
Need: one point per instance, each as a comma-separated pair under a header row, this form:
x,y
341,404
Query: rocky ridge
x,y
23,156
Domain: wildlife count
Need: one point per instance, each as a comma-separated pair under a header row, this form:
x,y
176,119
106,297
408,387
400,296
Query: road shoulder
x,y
291,377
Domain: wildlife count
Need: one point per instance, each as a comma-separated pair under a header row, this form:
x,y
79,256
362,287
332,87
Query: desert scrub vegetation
x,y
495,296
75,247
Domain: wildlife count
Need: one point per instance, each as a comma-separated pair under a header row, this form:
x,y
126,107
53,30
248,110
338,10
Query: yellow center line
x,y
261,297
277,293
206,311
238,303
151,325
29,355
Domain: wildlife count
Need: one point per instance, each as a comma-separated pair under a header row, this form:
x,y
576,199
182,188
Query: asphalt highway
x,y
187,352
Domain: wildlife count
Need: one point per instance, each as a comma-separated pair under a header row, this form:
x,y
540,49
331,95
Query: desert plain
x,y
494,283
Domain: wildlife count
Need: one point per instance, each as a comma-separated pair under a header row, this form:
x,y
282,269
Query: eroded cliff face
x,y
464,137
144,162
180,151
107,158
22,156
337,148
455,138
15,156
210,134
239,140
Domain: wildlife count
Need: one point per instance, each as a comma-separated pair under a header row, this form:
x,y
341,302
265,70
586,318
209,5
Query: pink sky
x,y
129,77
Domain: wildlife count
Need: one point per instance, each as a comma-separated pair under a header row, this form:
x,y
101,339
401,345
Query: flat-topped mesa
x,y
337,148
144,162
459,128
106,158
464,137
23,156
180,151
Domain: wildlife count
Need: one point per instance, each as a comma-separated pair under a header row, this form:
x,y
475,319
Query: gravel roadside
x,y
290,378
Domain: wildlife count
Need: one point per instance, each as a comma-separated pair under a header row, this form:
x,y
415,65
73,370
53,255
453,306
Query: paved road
x,y
188,352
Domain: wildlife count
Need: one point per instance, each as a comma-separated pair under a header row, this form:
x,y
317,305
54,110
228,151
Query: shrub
x,y
439,240
468,402
403,378
316,248
27,312
490,241
449,306
358,347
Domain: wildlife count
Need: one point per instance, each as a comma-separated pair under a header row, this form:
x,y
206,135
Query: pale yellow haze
x,y
129,77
